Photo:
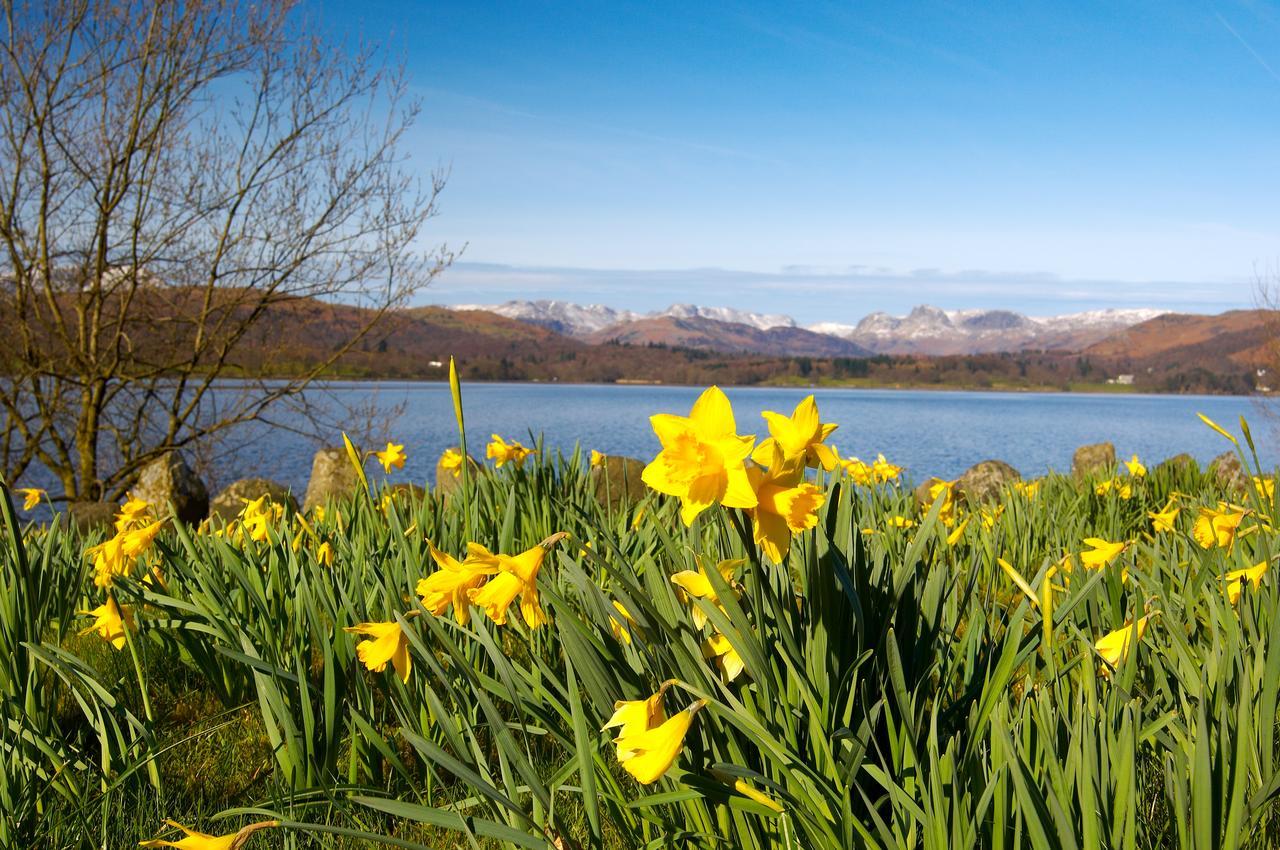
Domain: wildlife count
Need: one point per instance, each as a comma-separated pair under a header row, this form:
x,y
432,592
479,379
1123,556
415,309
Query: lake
x,y
930,433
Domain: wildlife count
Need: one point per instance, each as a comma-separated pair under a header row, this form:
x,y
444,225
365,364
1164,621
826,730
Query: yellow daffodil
x,y
597,458
1027,488
324,554
1135,467
860,472
990,516
193,840
453,583
1266,487
392,457
134,513
786,504
500,451
900,522
387,642
648,755
957,533
1113,647
109,561
798,437
1123,489
1100,553
1217,527
110,622
696,585
944,490
515,576
882,471
702,459
1162,520
1236,578
451,462
718,648
258,516
31,496
623,627
632,717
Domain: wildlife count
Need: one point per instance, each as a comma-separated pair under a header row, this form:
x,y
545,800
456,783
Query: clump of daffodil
x,y
1236,578
134,513
454,581
1218,527
1122,488
799,437
702,461
1162,521
1266,487
501,452
31,496
786,504
990,516
392,457
1114,647
193,840
948,512
115,557
864,474
598,459
900,522
110,622
696,585
258,516
513,575
1029,489
386,642
648,742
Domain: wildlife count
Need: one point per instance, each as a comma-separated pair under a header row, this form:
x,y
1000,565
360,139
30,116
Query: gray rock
x,y
88,517
1095,459
447,482
617,481
407,492
1229,474
332,476
230,501
168,480
1177,464
985,480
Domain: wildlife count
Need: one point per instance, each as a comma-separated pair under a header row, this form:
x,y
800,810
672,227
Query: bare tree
x,y
173,177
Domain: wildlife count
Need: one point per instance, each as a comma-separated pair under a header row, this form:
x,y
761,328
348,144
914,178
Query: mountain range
x,y
926,330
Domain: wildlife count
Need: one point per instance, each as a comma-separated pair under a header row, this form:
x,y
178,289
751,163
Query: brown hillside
x,y
1239,337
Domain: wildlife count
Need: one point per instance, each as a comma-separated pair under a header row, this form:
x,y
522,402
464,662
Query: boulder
x,y
88,517
985,480
447,482
407,492
1095,459
1177,465
168,480
332,476
228,504
1229,474
617,480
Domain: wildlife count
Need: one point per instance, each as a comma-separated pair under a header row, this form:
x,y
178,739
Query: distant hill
x,y
728,337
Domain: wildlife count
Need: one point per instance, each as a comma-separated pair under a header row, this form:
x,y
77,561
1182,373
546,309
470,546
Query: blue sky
x,y
831,159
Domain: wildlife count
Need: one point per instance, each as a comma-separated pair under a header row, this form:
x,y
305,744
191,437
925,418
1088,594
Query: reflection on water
x,y
931,433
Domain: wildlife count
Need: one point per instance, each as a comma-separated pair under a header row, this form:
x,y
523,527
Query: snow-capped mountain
x,y
925,330
931,330
581,321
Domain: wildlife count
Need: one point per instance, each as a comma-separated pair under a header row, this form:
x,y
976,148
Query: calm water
x,y
931,433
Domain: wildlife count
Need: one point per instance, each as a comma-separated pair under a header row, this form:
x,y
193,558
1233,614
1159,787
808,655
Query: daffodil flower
x,y
798,437
1162,520
324,554
1217,527
1135,467
31,496
451,462
696,585
1113,647
387,642
718,648
632,717
1266,487
882,471
516,575
110,622
648,755
1100,553
134,513
597,459
622,628
392,456
500,452
702,459
1236,578
193,840
454,581
786,504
